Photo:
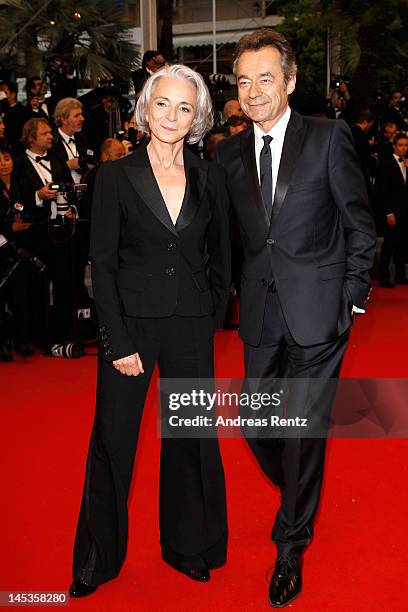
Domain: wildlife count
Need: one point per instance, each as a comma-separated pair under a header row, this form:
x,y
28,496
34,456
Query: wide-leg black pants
x,y
193,523
294,464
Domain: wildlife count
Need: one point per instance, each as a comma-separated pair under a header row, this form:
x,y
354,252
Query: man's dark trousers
x,y
295,464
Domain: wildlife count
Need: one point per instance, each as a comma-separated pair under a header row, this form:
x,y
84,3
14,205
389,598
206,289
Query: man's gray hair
x,y
64,107
203,120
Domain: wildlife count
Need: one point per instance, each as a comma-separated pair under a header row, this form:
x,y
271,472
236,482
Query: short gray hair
x,y
203,120
64,107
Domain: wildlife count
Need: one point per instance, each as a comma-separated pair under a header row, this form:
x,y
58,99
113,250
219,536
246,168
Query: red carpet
x,y
358,560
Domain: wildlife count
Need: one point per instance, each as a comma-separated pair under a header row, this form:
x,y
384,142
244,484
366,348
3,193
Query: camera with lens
x,y
16,211
87,158
68,195
336,81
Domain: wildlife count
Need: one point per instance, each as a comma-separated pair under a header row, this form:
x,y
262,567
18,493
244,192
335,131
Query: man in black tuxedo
x,y
393,196
36,171
70,145
394,113
308,239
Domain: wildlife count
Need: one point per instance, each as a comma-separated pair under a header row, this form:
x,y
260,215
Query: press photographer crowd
x,y
51,147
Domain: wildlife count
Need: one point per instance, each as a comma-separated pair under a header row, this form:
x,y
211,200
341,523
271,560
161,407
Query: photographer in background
x,y
62,82
339,104
17,288
70,145
131,135
395,112
392,188
33,108
152,61
39,175
104,120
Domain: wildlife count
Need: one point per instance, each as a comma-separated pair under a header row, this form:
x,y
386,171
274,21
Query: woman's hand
x,y
130,366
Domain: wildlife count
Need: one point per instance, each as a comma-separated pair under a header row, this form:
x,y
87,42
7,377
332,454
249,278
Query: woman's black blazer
x,y
143,265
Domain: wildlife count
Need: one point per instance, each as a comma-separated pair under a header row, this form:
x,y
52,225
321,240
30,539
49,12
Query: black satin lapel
x,y
292,147
248,158
196,178
144,182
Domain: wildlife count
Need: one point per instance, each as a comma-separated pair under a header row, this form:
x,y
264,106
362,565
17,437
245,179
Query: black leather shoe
x,y
387,284
81,589
198,575
286,582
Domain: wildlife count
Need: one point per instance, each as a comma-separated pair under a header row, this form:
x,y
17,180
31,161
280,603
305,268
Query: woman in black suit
x,y
160,270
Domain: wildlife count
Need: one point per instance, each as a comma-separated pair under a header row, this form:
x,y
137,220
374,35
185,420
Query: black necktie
x,y
41,158
71,141
265,171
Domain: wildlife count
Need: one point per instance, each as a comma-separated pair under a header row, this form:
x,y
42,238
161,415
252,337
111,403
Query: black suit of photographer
x,y
86,155
393,197
21,291
59,258
81,149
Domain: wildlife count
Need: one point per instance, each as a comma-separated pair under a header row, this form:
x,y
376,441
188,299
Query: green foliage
x,y
373,43
90,34
307,34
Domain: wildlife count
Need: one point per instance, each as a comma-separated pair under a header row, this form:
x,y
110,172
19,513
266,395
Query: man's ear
x,y
291,85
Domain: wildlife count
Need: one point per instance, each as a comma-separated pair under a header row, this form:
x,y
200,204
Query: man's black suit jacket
x,y
59,150
318,246
29,182
392,189
143,265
